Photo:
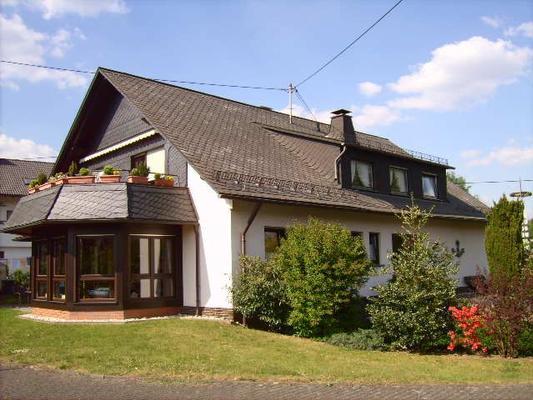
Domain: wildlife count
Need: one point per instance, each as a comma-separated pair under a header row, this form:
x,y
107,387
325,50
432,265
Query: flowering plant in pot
x,y
139,174
84,176
163,180
42,181
110,175
33,186
61,178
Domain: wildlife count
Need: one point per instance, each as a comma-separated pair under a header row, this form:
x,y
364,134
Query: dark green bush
x,y
525,341
41,178
361,339
72,169
322,266
21,278
108,170
143,170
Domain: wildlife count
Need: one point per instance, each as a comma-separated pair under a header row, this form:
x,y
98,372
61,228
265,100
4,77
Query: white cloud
x,y
299,111
84,8
23,44
370,116
525,29
493,22
369,88
11,147
507,156
460,74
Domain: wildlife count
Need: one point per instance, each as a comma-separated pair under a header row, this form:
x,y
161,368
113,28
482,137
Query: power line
x,y
155,79
506,181
299,95
351,43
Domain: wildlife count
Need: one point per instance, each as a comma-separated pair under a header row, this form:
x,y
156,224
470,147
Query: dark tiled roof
x,y
14,172
232,144
101,202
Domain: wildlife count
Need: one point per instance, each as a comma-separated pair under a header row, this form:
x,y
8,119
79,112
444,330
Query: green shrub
x,y
503,237
72,169
361,339
21,278
143,170
157,175
33,183
322,267
258,292
84,171
525,341
41,178
411,310
108,170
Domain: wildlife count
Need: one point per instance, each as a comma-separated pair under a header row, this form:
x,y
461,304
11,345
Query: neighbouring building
x,y
242,174
14,178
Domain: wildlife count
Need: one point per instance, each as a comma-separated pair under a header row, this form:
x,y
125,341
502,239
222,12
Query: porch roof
x,y
113,202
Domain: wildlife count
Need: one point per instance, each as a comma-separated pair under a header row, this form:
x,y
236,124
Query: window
x,y
396,242
152,272
362,174
373,248
8,214
138,159
58,270
96,267
429,185
2,255
273,238
42,253
398,180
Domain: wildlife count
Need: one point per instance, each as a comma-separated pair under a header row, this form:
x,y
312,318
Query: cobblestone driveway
x,y
29,383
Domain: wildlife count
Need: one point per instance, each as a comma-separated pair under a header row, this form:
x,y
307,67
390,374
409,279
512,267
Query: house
x,y
241,174
14,178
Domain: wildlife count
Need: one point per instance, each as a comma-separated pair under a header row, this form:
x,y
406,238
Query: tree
x,y
503,237
411,310
322,266
459,181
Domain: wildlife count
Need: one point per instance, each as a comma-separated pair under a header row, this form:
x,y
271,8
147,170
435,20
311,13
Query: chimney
x,y
341,127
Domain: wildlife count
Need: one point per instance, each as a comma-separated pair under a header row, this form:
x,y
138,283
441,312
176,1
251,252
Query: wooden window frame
x,y
406,193
373,183
40,277
137,156
53,262
436,186
378,255
152,276
280,233
96,277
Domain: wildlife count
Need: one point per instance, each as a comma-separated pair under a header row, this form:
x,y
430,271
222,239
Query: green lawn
x,y
196,350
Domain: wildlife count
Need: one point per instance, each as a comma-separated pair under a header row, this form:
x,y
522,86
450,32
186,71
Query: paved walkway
x,y
30,383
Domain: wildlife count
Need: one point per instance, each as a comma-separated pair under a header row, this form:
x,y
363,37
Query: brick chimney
x,y
341,127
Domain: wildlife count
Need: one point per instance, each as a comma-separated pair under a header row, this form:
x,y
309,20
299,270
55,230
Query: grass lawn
x,y
196,350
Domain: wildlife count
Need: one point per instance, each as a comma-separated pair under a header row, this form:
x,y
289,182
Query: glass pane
x,y
140,289
429,184
139,255
97,289
272,241
362,174
43,253
163,255
96,255
398,180
373,248
59,290
58,248
163,288
42,289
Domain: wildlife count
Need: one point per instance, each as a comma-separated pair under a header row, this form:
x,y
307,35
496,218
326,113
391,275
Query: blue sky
x,y
450,78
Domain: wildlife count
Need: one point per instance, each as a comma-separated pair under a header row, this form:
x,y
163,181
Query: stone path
x,y
29,383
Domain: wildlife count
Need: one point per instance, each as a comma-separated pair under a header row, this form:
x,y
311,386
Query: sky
x,y
449,78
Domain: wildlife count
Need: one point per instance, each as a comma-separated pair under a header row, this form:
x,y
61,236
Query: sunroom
x,y
105,251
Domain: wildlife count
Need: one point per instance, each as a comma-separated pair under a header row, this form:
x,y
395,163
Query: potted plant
x,y
84,176
61,178
163,180
33,186
42,181
110,175
139,174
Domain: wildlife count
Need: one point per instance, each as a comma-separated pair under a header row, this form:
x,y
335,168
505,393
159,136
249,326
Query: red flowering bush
x,y
468,324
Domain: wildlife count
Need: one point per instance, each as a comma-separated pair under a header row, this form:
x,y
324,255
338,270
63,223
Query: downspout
x,y
197,267
337,160
250,221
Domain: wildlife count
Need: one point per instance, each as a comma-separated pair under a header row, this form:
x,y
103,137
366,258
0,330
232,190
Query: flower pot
x,y
32,190
138,179
109,178
81,179
46,185
164,182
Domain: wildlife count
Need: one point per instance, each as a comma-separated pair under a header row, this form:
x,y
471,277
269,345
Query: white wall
x,y
16,253
214,215
470,234
155,160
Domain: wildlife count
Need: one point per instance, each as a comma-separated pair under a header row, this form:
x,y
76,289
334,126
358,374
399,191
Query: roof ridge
x,y
30,161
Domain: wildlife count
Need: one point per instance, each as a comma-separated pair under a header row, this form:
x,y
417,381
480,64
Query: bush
x,y
41,178
84,171
322,266
411,310
468,327
143,170
258,292
361,339
503,237
21,278
525,341
108,170
72,169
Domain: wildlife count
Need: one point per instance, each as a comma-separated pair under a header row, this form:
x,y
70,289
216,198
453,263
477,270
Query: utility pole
x,y
521,195
291,89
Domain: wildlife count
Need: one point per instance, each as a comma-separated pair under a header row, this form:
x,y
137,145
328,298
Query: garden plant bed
x,y
199,351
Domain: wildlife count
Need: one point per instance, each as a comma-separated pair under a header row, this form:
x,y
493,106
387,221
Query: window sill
x,y
366,189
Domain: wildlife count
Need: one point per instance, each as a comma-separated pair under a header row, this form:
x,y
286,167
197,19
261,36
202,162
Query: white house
x,y
241,175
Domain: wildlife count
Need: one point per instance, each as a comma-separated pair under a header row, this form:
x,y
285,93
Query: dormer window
x,y
429,186
362,175
398,180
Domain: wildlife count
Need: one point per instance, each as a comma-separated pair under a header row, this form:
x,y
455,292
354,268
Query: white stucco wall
x,y
214,215
470,234
155,160
16,253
